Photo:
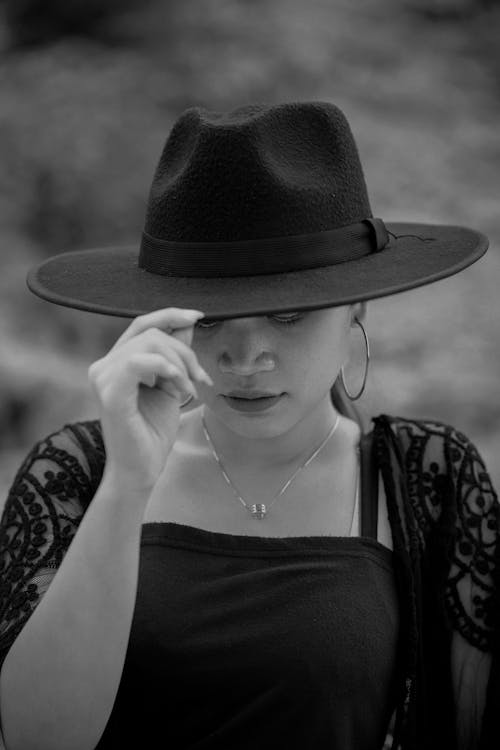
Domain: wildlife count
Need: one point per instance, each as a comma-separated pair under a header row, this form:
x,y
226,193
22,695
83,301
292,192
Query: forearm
x,y
60,678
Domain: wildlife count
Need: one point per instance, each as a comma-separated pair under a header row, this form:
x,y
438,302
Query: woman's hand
x,y
140,385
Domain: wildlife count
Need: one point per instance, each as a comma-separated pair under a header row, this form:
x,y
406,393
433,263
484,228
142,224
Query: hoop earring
x,y
365,376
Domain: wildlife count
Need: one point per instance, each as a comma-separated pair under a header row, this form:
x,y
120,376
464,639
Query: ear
x,y
358,310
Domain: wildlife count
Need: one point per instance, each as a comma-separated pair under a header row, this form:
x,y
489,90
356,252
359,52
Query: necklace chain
x,y
260,510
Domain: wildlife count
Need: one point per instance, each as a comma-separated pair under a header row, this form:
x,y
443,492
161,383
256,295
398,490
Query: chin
x,y
267,423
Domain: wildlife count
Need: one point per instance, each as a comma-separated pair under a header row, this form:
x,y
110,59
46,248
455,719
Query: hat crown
x,y
257,172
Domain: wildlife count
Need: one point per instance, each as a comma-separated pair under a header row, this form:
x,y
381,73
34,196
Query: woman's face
x,y
293,357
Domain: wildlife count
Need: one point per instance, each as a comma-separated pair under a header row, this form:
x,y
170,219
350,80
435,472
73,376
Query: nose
x,y
246,350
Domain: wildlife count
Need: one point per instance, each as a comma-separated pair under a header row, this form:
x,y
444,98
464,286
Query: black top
x,y
250,642
253,642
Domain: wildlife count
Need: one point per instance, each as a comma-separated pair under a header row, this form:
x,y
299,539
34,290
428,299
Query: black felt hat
x,y
253,211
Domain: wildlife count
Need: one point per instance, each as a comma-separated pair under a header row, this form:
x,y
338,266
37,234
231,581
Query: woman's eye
x,y
205,323
288,318
282,319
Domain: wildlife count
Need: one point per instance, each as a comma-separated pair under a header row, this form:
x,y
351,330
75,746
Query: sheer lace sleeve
x,y
45,504
456,506
472,593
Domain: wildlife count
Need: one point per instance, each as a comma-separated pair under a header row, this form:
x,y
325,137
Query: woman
x,y
252,572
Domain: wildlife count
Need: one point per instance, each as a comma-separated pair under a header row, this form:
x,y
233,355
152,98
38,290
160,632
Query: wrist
x,y
127,487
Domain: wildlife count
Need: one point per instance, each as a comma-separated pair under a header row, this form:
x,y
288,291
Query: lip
x,y
252,403
250,394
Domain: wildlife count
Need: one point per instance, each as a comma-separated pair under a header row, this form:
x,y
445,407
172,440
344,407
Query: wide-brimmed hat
x,y
254,211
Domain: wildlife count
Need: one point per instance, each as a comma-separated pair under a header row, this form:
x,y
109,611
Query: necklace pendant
x,y
258,511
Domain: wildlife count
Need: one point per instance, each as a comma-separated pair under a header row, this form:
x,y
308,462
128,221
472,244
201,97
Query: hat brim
x,y
109,281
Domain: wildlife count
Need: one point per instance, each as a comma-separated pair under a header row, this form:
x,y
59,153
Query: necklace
x,y
260,510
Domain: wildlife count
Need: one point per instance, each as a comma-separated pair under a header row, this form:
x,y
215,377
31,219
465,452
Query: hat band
x,y
257,257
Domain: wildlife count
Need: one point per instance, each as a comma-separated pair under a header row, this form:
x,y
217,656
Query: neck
x,y
276,452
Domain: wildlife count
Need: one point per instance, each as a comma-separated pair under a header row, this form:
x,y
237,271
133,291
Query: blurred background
x,y
88,93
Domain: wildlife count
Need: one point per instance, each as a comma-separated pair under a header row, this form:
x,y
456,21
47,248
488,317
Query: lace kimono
x,y
445,520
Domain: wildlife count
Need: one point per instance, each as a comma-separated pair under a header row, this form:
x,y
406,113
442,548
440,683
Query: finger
x,y
170,355
168,319
184,335
154,371
185,353
156,340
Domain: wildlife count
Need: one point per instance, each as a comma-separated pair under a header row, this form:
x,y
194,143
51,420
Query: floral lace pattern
x,y
42,512
446,478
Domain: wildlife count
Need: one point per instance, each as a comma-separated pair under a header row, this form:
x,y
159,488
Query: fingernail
x,y
195,313
205,376
190,391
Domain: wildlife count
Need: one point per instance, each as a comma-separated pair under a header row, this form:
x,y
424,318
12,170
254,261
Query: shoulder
x,y
64,466
406,429
431,445
438,445
441,466
77,439
82,438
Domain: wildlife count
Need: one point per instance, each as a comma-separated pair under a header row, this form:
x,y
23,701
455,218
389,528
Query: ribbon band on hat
x,y
256,257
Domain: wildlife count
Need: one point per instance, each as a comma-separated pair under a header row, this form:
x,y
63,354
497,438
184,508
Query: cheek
x,y
203,351
316,367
